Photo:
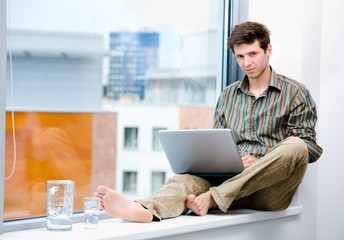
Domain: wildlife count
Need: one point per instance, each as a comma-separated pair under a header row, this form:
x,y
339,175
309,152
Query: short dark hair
x,y
247,33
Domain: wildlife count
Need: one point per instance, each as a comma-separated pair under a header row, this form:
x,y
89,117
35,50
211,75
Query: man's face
x,y
252,59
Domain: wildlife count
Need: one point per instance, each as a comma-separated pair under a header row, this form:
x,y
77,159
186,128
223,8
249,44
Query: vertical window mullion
x,y
3,14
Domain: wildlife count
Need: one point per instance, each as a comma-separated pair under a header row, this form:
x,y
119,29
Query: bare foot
x,y
190,202
119,206
200,204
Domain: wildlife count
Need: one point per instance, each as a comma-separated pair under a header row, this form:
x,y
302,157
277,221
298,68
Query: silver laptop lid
x,y
201,151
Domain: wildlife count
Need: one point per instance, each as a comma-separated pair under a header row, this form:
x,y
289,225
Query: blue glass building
x,y
131,55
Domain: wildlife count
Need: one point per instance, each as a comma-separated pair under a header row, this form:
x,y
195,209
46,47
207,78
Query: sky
x,y
108,15
174,19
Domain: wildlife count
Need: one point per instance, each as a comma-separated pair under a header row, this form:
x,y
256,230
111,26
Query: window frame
x,y
3,23
230,17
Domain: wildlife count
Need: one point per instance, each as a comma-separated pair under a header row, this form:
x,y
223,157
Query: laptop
x,y
202,152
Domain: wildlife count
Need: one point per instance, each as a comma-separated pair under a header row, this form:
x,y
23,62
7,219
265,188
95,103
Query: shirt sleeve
x,y
302,122
219,120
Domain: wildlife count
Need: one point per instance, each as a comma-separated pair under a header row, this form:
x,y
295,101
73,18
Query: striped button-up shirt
x,y
285,109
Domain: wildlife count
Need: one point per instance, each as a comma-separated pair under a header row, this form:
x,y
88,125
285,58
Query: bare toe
x,y
191,204
117,205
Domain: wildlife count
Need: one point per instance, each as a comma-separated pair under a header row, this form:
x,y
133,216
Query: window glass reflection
x,y
53,146
94,79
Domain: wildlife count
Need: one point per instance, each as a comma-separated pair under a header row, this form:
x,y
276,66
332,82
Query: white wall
x,y
331,167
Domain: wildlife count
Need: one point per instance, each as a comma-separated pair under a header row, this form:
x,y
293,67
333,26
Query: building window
x,y
131,137
129,182
156,145
158,180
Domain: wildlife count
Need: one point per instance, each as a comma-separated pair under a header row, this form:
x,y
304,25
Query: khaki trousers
x,y
269,184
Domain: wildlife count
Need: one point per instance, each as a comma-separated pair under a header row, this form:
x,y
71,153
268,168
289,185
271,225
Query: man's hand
x,y
248,160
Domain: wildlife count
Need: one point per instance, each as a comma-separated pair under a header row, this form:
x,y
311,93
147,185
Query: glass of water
x,y
91,212
60,200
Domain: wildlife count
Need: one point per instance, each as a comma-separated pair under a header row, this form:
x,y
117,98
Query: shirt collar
x,y
274,82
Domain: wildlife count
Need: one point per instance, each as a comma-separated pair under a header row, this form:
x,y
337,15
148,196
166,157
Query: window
x,y
165,69
156,145
158,180
131,137
129,182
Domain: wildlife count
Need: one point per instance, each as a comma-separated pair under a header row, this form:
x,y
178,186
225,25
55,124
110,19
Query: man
x,y
272,119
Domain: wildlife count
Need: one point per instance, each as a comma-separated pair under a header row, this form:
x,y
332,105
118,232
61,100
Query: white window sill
x,y
118,229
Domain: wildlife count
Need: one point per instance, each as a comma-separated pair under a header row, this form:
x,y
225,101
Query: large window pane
x,y
92,80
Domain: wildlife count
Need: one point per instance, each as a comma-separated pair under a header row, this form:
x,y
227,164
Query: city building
x,y
131,55
56,67
117,134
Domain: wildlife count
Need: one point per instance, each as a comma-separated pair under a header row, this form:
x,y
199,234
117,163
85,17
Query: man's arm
x,y
219,120
302,122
